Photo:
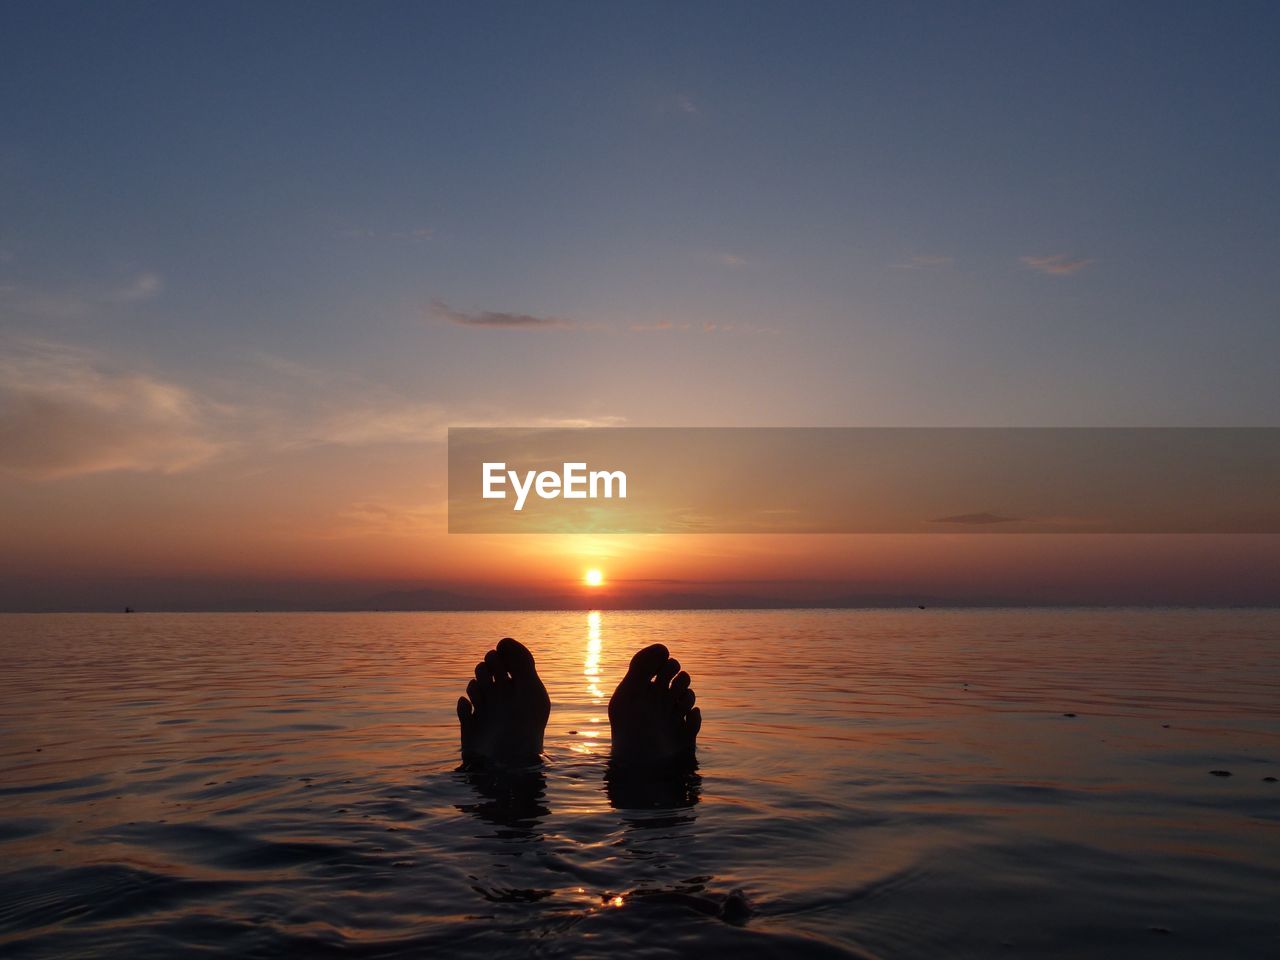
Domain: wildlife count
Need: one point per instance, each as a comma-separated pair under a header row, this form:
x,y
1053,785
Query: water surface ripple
x,y
873,783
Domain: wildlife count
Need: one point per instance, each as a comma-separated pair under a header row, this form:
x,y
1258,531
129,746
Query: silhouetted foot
x,y
652,714
503,721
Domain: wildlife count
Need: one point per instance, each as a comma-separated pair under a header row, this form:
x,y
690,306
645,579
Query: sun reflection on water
x,y
591,665
591,670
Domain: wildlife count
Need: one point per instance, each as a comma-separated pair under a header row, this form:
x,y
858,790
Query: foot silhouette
x,y
652,714
505,710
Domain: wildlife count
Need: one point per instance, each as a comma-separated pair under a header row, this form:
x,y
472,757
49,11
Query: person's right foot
x,y
506,713
652,715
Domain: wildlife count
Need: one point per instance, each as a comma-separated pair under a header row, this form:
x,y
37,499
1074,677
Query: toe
x,y
680,683
646,664
694,722
685,700
476,691
496,667
517,659
464,710
667,671
484,676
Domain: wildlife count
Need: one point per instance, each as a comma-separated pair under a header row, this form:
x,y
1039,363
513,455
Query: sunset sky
x,y
255,259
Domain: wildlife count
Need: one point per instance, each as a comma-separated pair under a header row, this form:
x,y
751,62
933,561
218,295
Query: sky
x,y
256,259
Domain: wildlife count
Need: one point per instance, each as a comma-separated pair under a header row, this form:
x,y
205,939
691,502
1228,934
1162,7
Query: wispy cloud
x,y
977,519
306,406
68,411
146,286
371,517
63,413
661,326
1057,264
925,262
43,304
375,423
708,327
498,320
732,261
408,422
679,105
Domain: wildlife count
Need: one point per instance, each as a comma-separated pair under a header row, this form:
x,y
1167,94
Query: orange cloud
x,y
62,414
1056,265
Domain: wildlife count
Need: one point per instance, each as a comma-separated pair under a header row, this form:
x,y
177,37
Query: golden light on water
x,y
593,577
591,672
591,663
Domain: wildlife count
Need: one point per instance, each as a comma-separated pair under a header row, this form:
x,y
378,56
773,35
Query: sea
x,y
871,783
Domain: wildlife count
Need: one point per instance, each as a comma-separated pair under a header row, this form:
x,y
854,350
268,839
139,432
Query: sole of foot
x,y
505,711
653,720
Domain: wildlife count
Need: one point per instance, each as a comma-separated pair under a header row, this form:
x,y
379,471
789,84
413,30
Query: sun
x,y
593,578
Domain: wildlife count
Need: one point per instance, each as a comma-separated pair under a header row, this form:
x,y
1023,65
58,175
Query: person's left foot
x,y
506,713
651,714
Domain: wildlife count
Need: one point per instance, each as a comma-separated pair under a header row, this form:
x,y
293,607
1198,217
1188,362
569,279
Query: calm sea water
x,y
874,783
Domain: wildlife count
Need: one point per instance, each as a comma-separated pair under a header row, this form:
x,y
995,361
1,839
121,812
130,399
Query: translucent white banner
x,y
864,480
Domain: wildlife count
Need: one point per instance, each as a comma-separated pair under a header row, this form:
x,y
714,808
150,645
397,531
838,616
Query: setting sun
x,y
593,578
